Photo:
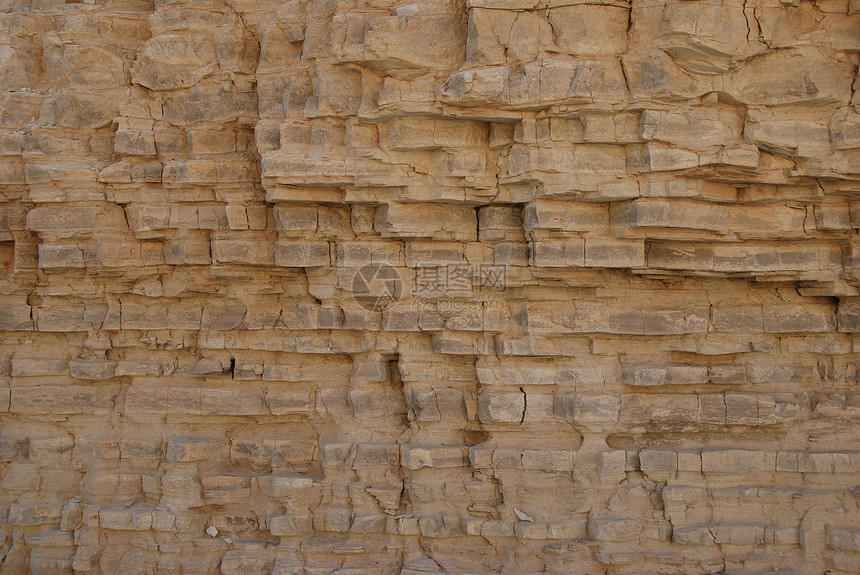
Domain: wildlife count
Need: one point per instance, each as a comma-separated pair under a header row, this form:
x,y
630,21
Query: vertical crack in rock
x,y
747,20
525,405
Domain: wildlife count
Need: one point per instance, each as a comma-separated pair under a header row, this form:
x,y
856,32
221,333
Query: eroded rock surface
x,y
481,286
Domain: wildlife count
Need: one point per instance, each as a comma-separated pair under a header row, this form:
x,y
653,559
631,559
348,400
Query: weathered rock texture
x,y
618,244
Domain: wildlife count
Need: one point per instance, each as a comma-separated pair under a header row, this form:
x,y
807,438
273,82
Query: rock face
x,y
481,286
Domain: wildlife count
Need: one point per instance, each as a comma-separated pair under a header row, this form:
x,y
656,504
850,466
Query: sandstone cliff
x,y
450,286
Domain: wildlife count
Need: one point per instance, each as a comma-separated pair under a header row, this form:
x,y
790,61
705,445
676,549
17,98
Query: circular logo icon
x,y
377,286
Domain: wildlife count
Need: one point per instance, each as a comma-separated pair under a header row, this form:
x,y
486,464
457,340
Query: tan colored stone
x,y
614,328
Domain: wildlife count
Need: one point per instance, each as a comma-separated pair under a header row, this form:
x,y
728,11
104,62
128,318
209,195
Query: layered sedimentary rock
x,y
494,286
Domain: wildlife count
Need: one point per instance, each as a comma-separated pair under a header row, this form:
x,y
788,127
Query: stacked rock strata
x,y
467,287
